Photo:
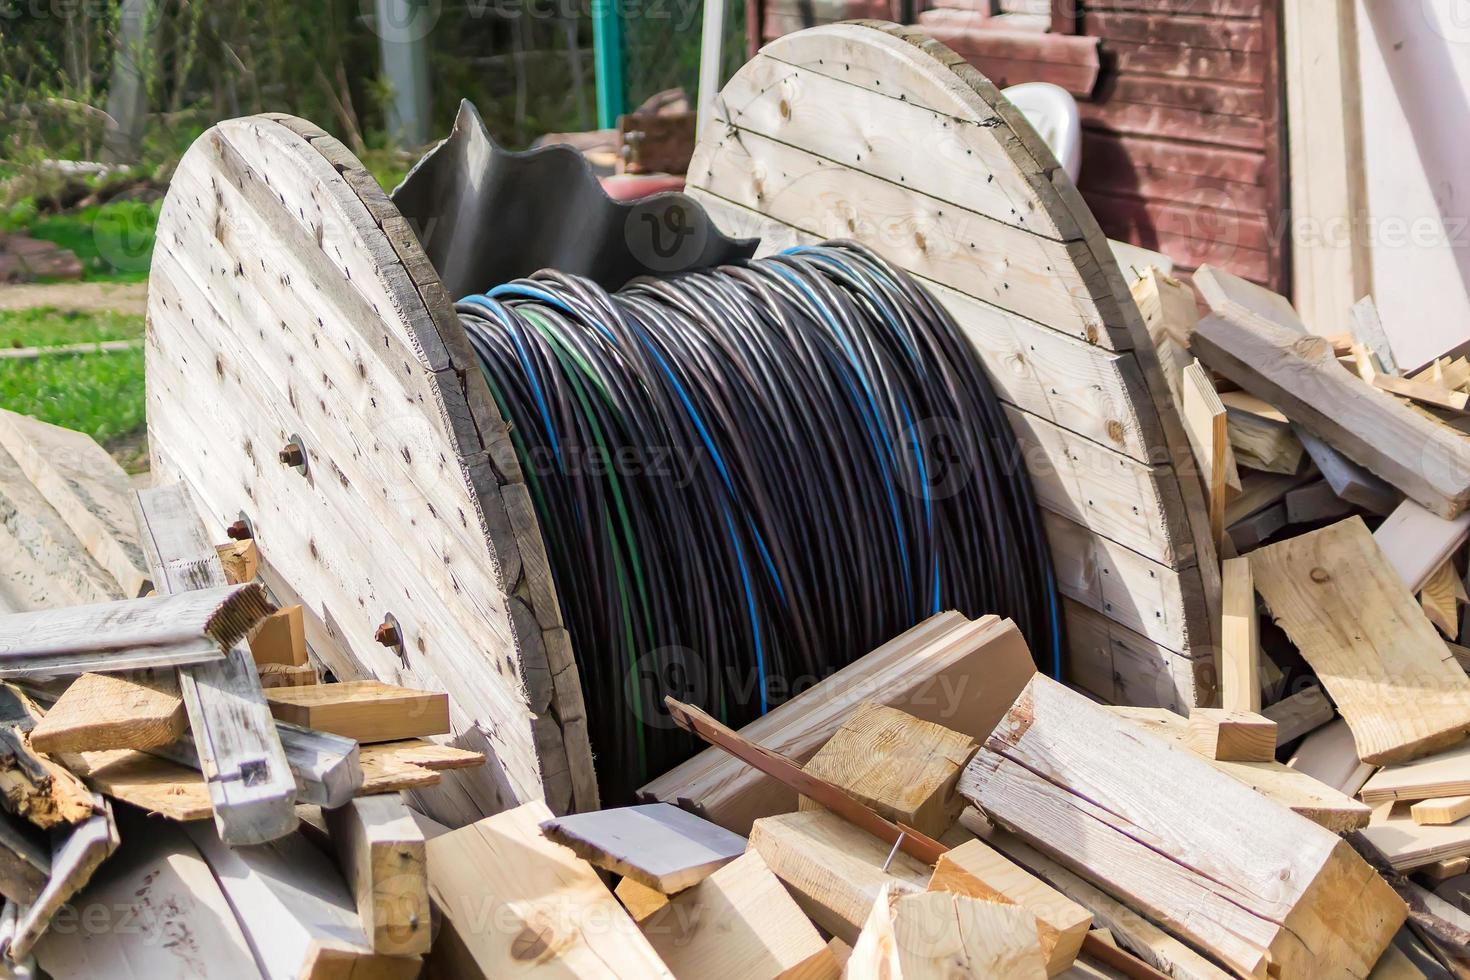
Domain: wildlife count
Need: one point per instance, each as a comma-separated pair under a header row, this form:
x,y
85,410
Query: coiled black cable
x,y
749,476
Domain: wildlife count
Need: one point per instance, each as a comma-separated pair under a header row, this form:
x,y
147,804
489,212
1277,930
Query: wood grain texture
x,y
280,638
1240,638
1351,616
1206,420
380,851
658,845
542,898
103,711
779,162
944,934
1066,775
738,924
367,711
1227,735
1300,713
904,768
975,869
250,782
1440,811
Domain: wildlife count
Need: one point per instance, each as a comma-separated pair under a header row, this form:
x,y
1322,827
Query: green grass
x,y
114,241
99,394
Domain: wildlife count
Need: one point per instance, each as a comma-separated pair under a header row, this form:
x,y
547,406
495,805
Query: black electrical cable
x,y
748,477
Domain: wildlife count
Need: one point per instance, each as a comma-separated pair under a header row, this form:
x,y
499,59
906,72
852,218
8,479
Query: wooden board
x,y
1416,541
1226,735
1240,640
1442,774
381,853
103,711
814,137
934,934
1329,755
368,711
1196,851
365,310
1409,845
546,900
1344,606
657,845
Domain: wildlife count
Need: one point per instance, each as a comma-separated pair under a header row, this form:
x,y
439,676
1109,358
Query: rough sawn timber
x,y
872,132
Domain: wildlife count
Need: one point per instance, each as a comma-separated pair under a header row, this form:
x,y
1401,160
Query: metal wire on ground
x,y
750,476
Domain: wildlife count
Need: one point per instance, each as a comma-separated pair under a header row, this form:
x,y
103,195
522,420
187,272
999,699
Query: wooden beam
x,y
104,711
1348,480
1335,594
240,559
281,638
738,924
1205,420
1324,805
1067,775
902,767
295,910
545,899
1300,714
977,870
134,634
1416,541
285,675
947,670
1260,436
380,850
368,711
658,845
1240,638
250,782
1368,328
924,936
1232,736
1314,503
1300,376
833,869
327,767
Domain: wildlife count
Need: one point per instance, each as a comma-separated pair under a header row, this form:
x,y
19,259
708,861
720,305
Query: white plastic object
x,y
1052,112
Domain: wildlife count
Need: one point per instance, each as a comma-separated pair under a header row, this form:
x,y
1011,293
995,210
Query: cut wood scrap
x,y
1314,503
295,911
37,789
1440,811
25,862
380,850
738,923
87,488
106,711
326,766
1368,328
1298,375
241,560
368,711
75,856
1068,775
1231,736
280,638
1320,803
1441,597
977,870
1205,421
1260,491
146,781
1348,480
947,670
1224,291
1260,435
1300,714
1354,621
1132,931
1416,542
657,844
833,869
944,934
1250,533
902,767
1330,756
285,675
1408,845
381,759
171,919
551,914
640,900
1446,869
1442,774
133,634
1423,391
1240,638
250,781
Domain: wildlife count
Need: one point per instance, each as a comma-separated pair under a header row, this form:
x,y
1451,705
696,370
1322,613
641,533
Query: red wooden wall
x,y
1183,150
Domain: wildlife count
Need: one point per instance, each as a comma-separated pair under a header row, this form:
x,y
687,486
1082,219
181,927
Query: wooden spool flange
x,y
290,304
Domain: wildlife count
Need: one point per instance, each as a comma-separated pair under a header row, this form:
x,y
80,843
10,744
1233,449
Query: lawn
x,y
114,241
99,394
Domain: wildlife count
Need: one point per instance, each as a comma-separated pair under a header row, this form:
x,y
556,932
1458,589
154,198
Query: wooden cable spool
x,y
290,304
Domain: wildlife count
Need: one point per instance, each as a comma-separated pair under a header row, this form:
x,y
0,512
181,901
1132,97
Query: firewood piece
x,y
158,631
901,766
944,934
657,844
106,711
738,924
241,561
380,850
368,711
1185,844
1260,435
1240,638
1205,422
1440,811
1232,736
975,869
280,638
37,789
